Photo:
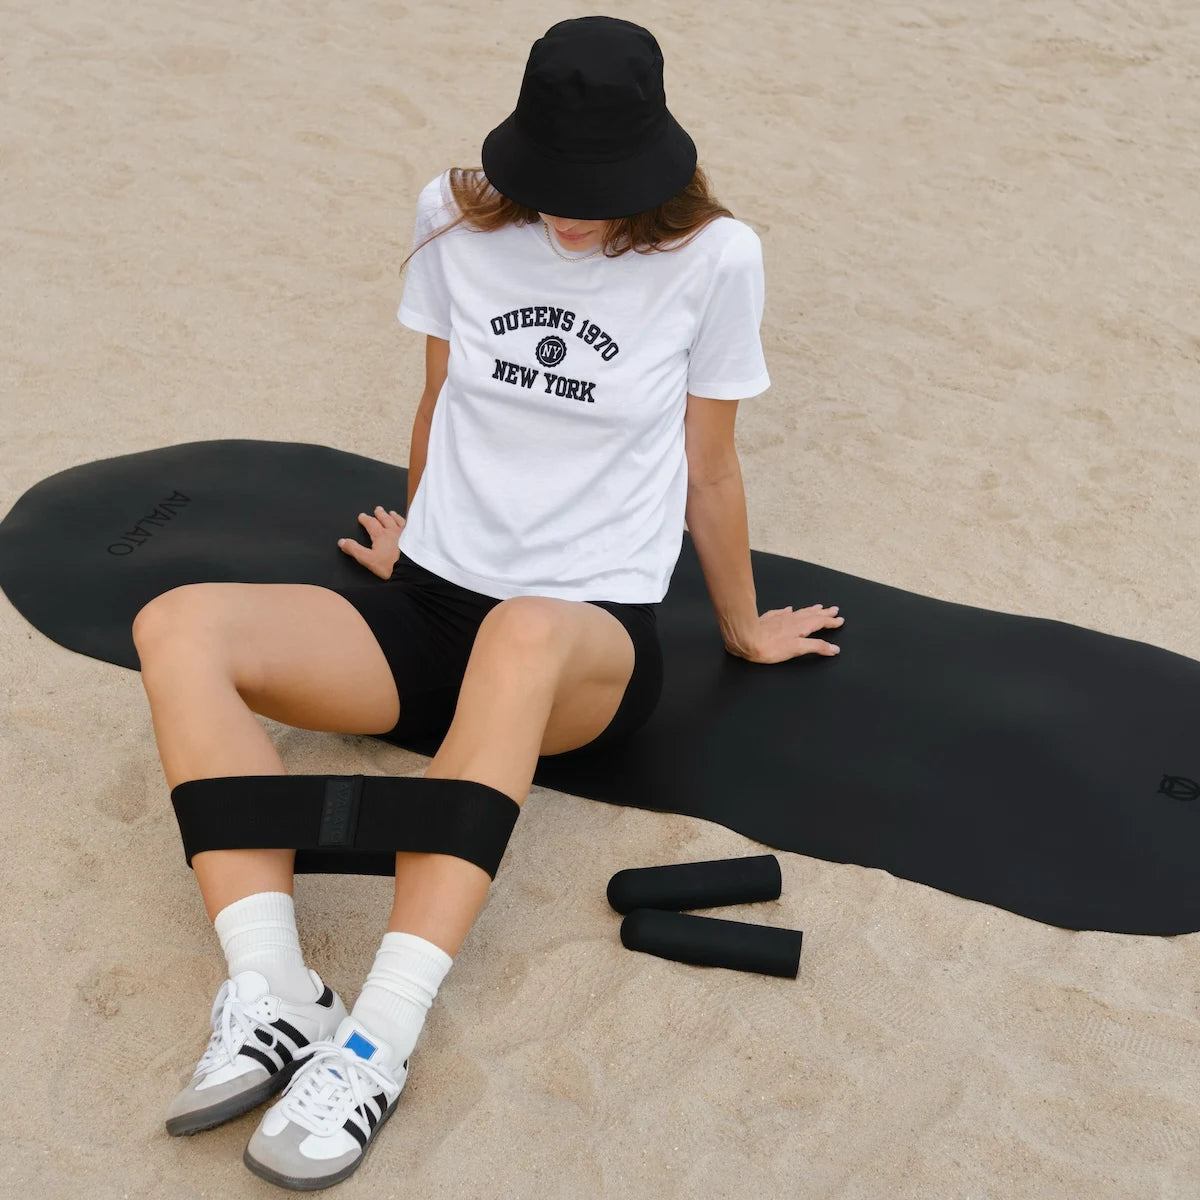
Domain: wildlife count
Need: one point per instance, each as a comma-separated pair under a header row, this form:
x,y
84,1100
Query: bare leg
x,y
214,654
545,676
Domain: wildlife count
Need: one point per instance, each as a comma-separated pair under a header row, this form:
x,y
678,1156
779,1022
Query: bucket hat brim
x,y
591,190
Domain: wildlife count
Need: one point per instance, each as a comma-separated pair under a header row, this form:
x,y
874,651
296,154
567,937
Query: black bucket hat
x,y
591,137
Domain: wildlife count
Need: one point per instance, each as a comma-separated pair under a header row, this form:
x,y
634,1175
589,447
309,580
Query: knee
x,y
171,618
525,627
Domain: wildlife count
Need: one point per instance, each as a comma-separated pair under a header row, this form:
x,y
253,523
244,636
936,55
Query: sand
x,y
979,225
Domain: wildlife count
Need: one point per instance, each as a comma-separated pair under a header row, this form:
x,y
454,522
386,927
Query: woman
x,y
581,379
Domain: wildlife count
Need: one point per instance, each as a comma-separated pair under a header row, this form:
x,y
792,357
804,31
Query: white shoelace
x,y
232,1026
329,1087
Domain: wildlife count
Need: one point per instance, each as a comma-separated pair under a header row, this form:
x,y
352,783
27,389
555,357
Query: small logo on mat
x,y
1178,787
165,510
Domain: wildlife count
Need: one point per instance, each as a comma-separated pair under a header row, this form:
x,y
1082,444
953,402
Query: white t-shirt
x,y
556,462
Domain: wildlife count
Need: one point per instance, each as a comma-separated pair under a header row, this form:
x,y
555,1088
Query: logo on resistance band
x,y
1179,787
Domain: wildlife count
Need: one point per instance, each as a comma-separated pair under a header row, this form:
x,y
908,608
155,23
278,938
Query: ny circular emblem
x,y
551,351
1179,787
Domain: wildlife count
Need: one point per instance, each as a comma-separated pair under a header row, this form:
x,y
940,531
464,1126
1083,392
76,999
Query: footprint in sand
x,y
411,116
104,990
443,1108
123,796
314,137
560,1073
195,60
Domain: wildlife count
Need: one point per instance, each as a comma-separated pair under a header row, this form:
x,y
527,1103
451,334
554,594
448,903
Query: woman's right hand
x,y
384,531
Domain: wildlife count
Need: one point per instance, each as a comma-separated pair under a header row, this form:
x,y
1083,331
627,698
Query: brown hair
x,y
670,225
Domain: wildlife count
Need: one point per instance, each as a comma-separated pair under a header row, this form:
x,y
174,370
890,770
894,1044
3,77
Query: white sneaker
x,y
258,1041
319,1131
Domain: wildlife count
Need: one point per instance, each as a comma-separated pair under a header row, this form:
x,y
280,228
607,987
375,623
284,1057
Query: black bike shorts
x,y
426,626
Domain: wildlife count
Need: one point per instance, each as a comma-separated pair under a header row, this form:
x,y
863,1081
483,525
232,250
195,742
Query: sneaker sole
x,y
315,1183
217,1114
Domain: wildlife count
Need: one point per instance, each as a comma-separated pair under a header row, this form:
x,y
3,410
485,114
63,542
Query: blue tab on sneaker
x,y
359,1045
338,1100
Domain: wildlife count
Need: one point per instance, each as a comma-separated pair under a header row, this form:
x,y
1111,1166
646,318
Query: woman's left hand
x,y
383,528
784,633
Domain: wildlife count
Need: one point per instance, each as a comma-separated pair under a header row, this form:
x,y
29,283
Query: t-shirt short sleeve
x,y
726,361
425,301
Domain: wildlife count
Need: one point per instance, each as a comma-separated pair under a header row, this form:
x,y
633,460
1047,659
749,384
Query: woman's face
x,y
575,235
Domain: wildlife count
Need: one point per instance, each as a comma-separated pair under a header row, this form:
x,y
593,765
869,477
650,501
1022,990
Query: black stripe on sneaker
x,y
325,999
371,1115
298,1039
284,1053
380,1102
356,1133
255,1053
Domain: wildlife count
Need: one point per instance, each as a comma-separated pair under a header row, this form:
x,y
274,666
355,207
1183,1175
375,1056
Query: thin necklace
x,y
568,257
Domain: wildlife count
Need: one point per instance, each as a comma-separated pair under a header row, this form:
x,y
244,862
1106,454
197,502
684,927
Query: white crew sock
x,y
405,978
258,933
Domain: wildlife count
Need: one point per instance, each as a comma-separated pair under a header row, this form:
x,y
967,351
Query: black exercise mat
x,y
1026,763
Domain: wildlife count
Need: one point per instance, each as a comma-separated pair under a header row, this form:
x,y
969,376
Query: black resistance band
x,y
346,824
